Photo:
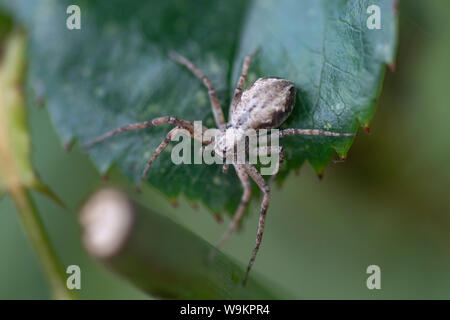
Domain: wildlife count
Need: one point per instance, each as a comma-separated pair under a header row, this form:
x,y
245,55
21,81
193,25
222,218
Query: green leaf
x,y
115,71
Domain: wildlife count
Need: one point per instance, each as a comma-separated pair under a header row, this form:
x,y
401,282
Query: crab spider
x,y
266,104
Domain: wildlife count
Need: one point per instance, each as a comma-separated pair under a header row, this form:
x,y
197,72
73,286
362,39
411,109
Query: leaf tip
x,y
174,203
218,217
194,205
69,145
340,160
396,2
138,189
279,184
392,66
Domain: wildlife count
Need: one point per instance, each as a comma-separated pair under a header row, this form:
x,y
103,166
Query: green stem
x,y
160,256
16,172
35,231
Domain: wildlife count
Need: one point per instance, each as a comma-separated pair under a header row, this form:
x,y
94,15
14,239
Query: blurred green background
x,y
387,205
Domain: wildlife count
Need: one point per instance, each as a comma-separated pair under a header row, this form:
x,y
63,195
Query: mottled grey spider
x,y
266,104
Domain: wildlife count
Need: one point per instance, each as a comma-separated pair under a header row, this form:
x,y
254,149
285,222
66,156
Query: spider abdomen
x,y
265,104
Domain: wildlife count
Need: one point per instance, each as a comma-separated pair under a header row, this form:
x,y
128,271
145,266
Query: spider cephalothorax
x,y
266,104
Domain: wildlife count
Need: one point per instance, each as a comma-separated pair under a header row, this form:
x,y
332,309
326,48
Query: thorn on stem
x,y
367,128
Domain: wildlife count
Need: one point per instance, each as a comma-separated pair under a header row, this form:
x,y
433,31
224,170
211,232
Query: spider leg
x,y
215,103
262,184
268,150
225,168
172,133
281,157
313,132
157,152
245,199
265,150
240,84
142,125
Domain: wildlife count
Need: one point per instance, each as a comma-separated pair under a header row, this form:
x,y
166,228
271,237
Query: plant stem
x,y
16,171
160,256
40,242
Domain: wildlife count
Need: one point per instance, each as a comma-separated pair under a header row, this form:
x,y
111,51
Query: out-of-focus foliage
x,y
16,169
15,166
116,71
